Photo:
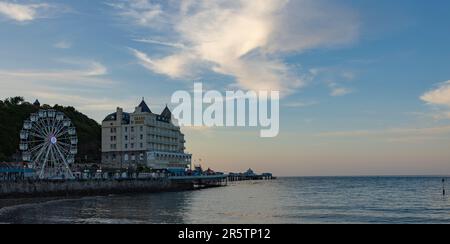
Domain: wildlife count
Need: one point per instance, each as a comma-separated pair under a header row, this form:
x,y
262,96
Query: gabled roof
x,y
166,113
37,103
144,107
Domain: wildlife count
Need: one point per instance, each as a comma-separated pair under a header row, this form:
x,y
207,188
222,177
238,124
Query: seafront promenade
x,y
107,186
64,188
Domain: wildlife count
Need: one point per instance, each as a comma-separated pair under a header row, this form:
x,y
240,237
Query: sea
x,y
298,200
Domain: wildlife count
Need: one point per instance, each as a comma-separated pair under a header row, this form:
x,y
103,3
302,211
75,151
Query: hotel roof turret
x,y
143,108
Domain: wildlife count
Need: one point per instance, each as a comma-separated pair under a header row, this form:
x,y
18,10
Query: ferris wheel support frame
x,y
49,142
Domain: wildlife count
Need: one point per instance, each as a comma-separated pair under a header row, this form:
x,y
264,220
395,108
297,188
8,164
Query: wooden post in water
x,y
443,186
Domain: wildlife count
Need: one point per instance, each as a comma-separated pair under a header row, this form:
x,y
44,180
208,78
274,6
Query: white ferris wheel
x,y
48,141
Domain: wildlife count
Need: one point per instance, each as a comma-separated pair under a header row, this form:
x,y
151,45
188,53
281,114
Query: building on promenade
x,y
143,138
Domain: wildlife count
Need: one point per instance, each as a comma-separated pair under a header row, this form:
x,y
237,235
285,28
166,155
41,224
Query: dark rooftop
x,y
113,117
166,113
144,107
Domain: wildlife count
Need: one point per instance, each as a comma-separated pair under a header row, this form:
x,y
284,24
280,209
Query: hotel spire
x,y
144,107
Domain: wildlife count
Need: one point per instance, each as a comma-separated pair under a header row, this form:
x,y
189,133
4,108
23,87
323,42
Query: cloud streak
x,y
439,98
84,85
63,45
337,91
161,43
23,12
299,104
141,12
176,66
394,134
89,75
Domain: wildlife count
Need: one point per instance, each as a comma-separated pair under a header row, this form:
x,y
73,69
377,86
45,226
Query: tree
x,y
2,157
16,100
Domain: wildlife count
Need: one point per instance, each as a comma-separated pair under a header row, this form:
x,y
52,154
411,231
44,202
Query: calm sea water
x,y
286,200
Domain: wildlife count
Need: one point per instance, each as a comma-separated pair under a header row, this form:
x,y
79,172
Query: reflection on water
x,y
288,200
152,208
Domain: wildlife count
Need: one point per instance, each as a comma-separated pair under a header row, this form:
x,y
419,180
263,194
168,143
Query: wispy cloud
x,y
97,107
439,99
63,45
438,96
335,78
89,74
299,104
161,43
338,90
394,133
25,12
176,66
242,39
76,86
84,85
142,12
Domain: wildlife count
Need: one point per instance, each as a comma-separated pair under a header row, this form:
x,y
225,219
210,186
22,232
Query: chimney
x,y
119,114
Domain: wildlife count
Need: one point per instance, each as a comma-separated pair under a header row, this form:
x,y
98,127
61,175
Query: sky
x,y
365,85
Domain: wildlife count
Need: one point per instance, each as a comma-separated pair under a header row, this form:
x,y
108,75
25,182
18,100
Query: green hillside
x,y
13,111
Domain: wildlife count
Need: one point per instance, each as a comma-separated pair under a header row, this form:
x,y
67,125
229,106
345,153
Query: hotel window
x,y
132,145
142,145
141,128
132,129
126,138
133,157
126,146
126,158
126,129
142,137
141,156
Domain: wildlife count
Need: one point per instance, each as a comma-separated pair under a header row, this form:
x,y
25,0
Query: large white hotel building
x,y
143,138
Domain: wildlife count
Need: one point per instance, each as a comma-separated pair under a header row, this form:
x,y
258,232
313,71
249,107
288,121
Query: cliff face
x,y
13,111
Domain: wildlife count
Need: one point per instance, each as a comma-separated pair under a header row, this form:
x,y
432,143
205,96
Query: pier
x,y
250,175
203,181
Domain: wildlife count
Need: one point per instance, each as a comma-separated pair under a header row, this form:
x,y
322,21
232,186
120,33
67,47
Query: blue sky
x,y
364,83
